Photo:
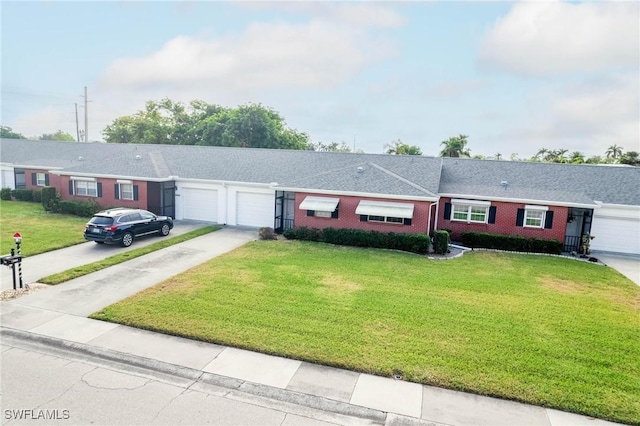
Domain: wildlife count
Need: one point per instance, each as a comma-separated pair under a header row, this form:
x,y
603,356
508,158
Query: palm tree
x,y
455,147
576,157
400,148
540,155
614,152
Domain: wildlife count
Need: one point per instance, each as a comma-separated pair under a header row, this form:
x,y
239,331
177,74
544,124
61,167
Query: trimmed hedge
x,y
78,208
415,243
510,243
441,241
5,194
22,194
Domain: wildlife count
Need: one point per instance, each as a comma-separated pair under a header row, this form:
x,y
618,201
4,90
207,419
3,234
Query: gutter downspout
x,y
429,218
435,225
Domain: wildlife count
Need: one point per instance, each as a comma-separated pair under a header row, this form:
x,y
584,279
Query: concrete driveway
x,y
42,265
629,266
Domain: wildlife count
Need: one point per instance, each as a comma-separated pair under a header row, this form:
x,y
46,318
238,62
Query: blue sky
x,y
514,76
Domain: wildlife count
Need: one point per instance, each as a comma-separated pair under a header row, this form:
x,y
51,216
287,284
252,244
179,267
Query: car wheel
x,y
127,239
164,231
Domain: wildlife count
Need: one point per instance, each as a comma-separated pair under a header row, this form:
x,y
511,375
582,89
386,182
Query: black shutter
x,y
70,187
99,185
46,179
447,211
116,191
334,214
520,217
310,212
548,220
407,221
135,192
34,179
363,218
492,214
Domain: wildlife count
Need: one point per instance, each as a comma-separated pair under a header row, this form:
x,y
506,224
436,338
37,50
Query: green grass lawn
x,y
538,329
41,231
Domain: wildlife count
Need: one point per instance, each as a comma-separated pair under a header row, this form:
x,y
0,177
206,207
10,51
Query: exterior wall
x,y
108,198
347,217
506,222
54,180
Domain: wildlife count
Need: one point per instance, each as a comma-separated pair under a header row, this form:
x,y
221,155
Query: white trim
x,y
357,194
125,181
534,207
382,208
322,204
475,203
523,201
82,178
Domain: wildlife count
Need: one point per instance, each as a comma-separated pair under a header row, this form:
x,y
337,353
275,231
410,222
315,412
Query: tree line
x,y
8,133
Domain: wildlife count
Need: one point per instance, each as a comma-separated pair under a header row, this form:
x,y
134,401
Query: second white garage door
x,y
255,209
616,235
200,204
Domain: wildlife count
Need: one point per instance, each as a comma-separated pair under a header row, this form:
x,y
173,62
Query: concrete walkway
x,y
629,266
57,316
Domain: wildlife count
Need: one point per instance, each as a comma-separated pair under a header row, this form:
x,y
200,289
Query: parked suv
x,y
123,225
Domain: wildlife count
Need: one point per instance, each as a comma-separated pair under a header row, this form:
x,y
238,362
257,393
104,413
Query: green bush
x,y
510,243
416,243
50,199
441,242
37,196
22,194
79,208
266,233
5,194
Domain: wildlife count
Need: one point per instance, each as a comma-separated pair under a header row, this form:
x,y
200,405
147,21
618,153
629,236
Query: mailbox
x,y
9,260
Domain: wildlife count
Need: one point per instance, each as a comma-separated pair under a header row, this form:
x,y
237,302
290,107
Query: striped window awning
x,y
322,204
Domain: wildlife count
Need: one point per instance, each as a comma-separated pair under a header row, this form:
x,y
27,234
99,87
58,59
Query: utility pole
x,y
77,130
86,116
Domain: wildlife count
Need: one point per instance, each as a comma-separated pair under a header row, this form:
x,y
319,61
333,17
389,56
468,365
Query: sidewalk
x,y
57,317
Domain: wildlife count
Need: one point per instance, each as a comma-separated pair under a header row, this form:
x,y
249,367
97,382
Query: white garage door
x,y
200,204
620,235
255,209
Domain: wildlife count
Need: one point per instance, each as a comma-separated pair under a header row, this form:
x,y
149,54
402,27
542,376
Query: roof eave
x,y
358,194
522,200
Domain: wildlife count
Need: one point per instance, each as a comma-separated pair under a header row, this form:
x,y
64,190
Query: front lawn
x,y
41,231
543,330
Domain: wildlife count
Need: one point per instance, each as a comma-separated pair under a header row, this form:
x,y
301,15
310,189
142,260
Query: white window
x,y
85,188
470,213
386,219
126,191
320,213
534,218
41,180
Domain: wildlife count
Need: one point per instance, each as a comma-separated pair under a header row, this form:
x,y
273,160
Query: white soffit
x,y
381,208
471,202
322,204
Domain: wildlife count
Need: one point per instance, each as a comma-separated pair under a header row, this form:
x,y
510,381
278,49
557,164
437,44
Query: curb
x,y
127,361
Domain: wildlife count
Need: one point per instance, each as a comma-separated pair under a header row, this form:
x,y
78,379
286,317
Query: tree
x,y
540,155
331,147
595,159
455,147
576,157
199,123
614,152
57,136
8,133
398,147
631,158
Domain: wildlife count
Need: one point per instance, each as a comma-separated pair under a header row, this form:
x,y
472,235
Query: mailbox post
x,y
17,237
12,259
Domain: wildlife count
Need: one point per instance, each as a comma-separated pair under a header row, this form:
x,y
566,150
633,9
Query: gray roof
x,y
393,175
562,183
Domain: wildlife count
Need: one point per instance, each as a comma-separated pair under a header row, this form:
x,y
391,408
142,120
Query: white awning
x,y
381,208
322,204
533,207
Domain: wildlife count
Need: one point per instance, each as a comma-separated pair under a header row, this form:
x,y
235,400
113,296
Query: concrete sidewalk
x,y
57,316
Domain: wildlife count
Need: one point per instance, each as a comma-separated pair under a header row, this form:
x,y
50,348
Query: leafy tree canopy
x,y
455,147
398,147
8,133
57,136
331,147
200,123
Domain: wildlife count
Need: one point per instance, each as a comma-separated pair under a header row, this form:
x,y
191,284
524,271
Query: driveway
x,y
629,266
45,264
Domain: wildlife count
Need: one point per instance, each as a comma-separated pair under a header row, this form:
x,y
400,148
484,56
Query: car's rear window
x,y
101,220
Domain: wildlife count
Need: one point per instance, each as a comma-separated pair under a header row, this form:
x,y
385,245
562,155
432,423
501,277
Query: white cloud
x,y
554,37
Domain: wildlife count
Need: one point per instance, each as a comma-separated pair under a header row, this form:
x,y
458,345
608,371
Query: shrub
x,y
22,194
79,208
441,242
5,194
37,196
416,243
511,243
266,233
50,199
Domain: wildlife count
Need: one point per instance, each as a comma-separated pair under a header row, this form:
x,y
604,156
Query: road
x,y
46,385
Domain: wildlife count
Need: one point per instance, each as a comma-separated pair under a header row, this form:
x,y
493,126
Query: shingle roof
x,y
394,175
563,183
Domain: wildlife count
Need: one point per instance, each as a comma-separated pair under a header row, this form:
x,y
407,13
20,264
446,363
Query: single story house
x,y
286,188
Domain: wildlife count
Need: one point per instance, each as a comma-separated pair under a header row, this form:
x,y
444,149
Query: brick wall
x,y
54,180
108,198
506,214
347,217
